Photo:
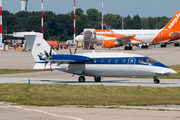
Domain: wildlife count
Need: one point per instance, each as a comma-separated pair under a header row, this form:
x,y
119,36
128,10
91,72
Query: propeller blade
x,y
50,67
46,54
70,51
75,50
50,51
45,64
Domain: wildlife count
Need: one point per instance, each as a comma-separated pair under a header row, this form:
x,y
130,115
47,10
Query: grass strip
x,y
16,71
53,95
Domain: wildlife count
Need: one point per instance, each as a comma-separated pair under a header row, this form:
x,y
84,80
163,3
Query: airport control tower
x,y
24,5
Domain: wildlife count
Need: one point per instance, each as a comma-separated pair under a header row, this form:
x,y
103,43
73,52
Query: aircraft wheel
x,y
177,44
156,81
165,44
130,47
126,48
142,47
146,46
97,79
81,79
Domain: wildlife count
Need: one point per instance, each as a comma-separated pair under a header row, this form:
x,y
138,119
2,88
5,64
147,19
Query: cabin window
x,y
94,60
102,60
109,60
147,61
123,60
131,61
116,60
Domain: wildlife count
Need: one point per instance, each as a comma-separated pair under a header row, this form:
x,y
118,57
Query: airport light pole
x,y
42,17
1,44
122,22
74,22
102,14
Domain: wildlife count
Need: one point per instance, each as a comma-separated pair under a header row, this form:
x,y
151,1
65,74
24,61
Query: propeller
x,y
48,57
70,51
74,50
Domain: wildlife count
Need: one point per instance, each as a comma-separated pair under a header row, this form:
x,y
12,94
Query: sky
x,y
144,8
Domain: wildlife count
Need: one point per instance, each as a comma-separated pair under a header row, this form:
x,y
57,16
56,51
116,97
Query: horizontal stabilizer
x,y
174,34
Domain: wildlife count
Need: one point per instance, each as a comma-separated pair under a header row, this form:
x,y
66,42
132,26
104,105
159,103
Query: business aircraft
x,y
96,64
116,38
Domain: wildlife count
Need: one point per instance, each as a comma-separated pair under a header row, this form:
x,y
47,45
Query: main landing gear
x,y
156,81
176,44
128,47
96,79
163,45
81,79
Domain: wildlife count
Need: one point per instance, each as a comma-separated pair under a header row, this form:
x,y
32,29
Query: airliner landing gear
x,y
144,46
128,47
163,45
81,79
176,44
156,81
97,79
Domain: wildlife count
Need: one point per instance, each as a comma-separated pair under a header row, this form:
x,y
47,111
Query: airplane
x,y
116,38
96,64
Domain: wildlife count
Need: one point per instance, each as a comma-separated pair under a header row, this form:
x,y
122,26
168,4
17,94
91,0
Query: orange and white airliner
x,y
116,38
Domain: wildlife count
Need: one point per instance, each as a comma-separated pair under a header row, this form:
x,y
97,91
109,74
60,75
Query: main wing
x,y
124,40
66,58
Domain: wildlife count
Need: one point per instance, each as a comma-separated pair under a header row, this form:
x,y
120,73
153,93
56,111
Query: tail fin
x,y
174,23
38,46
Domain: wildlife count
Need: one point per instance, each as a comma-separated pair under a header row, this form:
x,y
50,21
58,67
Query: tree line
x,y
60,26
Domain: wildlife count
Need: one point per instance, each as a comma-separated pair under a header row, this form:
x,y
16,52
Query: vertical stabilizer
x,y
174,23
37,45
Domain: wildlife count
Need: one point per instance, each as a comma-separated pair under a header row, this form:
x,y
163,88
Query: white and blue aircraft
x,y
96,64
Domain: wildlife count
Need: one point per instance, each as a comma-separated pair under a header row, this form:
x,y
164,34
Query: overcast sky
x,y
144,8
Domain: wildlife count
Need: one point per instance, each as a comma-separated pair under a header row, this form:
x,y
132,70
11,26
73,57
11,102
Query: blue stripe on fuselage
x,y
124,61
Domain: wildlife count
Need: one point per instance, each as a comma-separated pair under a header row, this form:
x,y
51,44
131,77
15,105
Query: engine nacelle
x,y
110,44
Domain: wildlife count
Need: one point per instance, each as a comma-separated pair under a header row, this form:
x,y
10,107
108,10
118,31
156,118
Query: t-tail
x,y
38,47
174,23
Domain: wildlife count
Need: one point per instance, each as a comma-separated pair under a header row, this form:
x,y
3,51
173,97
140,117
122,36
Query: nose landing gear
x,y
156,81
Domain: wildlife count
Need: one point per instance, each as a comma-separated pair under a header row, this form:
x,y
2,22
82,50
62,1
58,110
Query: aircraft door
x,y
131,62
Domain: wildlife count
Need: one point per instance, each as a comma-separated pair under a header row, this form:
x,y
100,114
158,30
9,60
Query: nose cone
x,y
171,72
78,38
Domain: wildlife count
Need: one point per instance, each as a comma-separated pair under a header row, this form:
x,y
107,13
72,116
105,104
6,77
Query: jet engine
x,y
110,44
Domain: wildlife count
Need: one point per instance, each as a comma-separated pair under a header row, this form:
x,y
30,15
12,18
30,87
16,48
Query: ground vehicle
x,y
54,44
65,46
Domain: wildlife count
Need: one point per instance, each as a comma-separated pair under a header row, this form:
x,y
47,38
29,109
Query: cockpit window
x,y
147,61
82,34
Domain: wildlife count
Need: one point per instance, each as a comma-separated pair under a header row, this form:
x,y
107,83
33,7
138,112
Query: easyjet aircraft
x,y
116,38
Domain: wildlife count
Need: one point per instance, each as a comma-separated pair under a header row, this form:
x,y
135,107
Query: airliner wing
x,y
174,34
124,39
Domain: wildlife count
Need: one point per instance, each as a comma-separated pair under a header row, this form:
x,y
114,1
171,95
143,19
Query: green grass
x,y
15,71
52,95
